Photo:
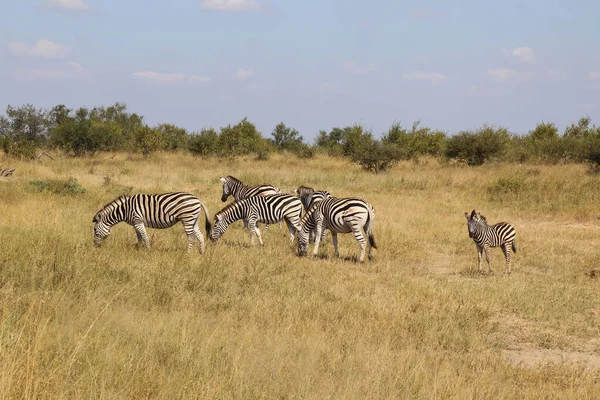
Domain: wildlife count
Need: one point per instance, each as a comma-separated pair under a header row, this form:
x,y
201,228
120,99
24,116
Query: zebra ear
x,y
222,179
473,213
467,215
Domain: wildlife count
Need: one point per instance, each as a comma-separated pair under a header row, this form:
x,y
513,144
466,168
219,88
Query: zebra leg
x,y
317,238
358,235
334,240
479,254
198,234
291,229
139,236
488,259
506,251
254,230
140,230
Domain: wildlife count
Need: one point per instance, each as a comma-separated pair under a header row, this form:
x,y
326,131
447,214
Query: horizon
x,y
313,66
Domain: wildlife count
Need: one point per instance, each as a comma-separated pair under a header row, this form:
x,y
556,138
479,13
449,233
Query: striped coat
x,y
344,215
485,236
157,211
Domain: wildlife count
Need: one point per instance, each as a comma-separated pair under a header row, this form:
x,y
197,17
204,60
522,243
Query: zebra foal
x,y
153,211
265,209
485,236
342,215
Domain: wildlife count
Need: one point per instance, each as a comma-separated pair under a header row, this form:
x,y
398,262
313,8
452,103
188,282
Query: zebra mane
x,y
111,205
304,189
233,178
228,206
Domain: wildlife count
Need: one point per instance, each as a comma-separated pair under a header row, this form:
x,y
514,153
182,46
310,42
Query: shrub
x,y
286,138
419,141
77,133
477,147
375,156
22,130
204,143
241,139
146,140
174,138
56,186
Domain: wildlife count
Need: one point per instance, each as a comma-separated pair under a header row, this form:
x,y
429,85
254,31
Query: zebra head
x,y
474,220
226,189
219,228
101,229
302,241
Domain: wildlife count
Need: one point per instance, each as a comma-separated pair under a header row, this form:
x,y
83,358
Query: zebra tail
x,y
371,217
372,240
514,246
207,224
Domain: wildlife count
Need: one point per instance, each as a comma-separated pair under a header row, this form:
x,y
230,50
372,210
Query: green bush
x,y
146,140
475,148
419,141
77,133
174,138
241,139
375,156
56,186
204,143
23,130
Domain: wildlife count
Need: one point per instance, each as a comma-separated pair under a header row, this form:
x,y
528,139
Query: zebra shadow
x,y
475,273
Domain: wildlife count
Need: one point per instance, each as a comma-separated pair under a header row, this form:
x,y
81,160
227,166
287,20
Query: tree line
x,y
83,132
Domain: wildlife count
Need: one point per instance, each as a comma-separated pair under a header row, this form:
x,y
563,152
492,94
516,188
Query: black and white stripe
x,y
236,188
485,236
343,215
265,209
308,196
153,211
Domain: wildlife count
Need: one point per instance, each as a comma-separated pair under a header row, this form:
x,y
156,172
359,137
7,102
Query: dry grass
x,y
239,322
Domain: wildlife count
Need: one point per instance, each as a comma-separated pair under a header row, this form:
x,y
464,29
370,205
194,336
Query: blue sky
x,y
312,64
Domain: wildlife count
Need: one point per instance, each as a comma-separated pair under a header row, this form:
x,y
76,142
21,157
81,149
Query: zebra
x,y
154,211
485,236
234,187
343,215
308,196
266,209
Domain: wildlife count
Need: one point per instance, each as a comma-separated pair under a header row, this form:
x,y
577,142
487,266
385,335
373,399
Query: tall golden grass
x,y
249,322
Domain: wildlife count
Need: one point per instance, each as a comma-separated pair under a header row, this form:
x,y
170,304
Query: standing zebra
x,y
154,211
234,187
343,215
266,209
308,196
502,234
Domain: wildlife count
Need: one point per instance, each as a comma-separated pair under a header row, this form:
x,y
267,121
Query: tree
x,y
204,143
22,130
477,147
175,138
286,138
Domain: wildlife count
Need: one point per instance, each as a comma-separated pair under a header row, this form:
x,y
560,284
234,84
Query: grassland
x,y
78,321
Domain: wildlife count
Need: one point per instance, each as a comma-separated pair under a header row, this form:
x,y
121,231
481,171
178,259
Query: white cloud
x,y
510,75
68,70
231,5
43,48
358,69
169,77
243,74
432,77
68,5
594,75
502,73
525,55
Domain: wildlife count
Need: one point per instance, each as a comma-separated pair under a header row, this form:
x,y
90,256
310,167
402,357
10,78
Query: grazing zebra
x,y
266,209
308,196
485,236
234,187
154,211
343,215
